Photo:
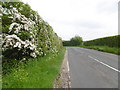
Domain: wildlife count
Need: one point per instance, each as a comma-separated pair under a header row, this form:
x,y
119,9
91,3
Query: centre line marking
x,y
105,64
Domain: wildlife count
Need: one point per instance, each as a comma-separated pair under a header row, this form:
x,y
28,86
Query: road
x,y
92,69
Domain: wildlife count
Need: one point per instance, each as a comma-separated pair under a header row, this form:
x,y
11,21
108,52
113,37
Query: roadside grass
x,y
113,50
36,73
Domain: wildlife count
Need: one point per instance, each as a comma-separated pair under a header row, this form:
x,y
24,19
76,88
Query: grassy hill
x,y
106,44
111,41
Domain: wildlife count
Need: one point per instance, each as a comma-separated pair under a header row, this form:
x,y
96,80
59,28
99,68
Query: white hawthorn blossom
x,y
14,25
15,42
33,55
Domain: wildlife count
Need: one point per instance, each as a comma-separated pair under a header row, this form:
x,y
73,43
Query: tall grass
x,y
36,73
108,49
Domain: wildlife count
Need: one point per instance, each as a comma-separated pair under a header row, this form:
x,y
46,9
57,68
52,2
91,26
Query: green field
x,y
108,44
36,73
113,50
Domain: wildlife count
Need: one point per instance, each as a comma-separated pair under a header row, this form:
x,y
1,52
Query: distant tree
x,y
77,40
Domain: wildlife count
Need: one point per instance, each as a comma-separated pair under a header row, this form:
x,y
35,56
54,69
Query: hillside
x,y
108,44
111,41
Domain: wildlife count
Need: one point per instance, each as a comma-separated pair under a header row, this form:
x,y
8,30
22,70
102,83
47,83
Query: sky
x,y
90,19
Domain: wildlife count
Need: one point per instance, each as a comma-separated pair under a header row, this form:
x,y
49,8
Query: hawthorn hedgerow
x,y
25,33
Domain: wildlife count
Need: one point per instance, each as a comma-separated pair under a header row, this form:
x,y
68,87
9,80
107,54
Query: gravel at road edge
x,y
63,79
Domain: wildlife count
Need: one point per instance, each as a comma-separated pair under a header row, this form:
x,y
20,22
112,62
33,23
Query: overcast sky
x,y
89,19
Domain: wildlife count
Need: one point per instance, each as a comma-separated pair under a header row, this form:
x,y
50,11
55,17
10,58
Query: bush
x,y
25,33
75,41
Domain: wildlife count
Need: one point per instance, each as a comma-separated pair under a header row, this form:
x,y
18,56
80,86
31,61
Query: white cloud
x,y
88,18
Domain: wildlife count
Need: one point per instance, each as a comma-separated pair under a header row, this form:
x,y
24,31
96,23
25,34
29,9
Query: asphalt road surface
x,y
92,69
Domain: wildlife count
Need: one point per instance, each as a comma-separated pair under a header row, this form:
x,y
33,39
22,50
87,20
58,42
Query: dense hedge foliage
x,y
75,41
25,34
112,41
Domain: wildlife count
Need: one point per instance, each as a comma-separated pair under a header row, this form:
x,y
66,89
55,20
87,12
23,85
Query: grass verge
x,y
112,50
36,73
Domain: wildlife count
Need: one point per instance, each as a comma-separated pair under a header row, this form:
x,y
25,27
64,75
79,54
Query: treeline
x,y
25,34
75,41
112,41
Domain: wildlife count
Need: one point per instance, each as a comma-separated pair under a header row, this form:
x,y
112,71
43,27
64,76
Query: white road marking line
x,y
105,64
68,66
